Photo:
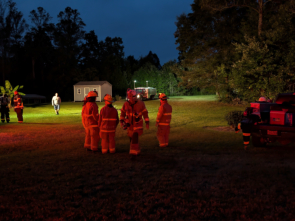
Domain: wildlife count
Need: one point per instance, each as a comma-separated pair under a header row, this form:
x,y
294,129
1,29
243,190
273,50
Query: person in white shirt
x,y
56,103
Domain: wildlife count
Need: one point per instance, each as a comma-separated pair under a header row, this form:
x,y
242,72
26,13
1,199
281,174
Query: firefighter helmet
x,y
262,99
108,98
131,93
92,94
15,93
163,96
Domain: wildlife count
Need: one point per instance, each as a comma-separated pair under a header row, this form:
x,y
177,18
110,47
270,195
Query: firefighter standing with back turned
x,y
108,121
4,108
131,114
163,121
18,106
90,117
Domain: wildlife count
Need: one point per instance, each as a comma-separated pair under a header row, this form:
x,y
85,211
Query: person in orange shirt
x,y
131,113
163,121
108,121
91,116
18,106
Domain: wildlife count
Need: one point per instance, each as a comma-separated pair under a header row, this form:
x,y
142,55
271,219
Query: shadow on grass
x,y
36,105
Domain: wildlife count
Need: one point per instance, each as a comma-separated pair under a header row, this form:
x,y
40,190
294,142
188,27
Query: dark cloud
x,y
144,25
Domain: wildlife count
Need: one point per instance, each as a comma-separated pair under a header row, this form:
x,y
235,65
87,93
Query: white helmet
x,y
262,99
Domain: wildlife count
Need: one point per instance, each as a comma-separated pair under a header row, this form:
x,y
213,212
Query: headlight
x,y
138,96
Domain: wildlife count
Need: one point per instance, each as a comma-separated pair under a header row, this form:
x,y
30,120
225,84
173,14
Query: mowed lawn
x,y
204,174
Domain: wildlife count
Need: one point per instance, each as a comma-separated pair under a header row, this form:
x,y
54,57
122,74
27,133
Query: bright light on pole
x,y
134,83
147,83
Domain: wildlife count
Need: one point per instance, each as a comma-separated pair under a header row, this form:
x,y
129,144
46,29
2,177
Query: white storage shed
x,y
82,88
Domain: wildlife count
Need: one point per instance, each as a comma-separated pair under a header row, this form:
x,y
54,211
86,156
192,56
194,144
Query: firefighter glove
x,y
121,123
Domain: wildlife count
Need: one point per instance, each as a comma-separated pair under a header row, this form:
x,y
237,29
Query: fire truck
x,y
145,93
269,122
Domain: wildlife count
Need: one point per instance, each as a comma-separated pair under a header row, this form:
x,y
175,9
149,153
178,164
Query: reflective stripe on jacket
x,y
133,114
18,103
108,119
164,114
90,114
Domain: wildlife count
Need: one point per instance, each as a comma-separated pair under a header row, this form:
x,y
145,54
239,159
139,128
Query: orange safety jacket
x,y
133,113
108,119
164,114
18,102
90,114
83,115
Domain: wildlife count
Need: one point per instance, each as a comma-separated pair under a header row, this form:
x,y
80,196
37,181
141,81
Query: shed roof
x,y
91,83
33,96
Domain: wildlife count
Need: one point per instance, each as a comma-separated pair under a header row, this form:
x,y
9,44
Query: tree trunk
x,y
33,68
260,17
3,69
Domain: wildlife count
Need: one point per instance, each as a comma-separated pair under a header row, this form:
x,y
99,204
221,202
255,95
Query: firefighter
x,y
18,106
132,112
82,113
163,121
108,121
91,116
4,108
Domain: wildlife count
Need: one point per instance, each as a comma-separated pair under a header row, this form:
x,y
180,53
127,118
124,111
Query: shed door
x,y
86,91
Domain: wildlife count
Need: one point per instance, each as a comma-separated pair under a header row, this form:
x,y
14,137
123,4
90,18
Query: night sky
x,y
143,25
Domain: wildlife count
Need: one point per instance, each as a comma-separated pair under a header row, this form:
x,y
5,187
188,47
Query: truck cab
x,y
269,122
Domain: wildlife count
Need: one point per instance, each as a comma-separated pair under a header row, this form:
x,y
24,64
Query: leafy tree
x,y
38,40
9,90
130,66
267,64
150,58
205,45
169,79
259,6
68,36
90,51
12,26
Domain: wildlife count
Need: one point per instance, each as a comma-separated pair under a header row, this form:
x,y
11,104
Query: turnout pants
x,y
163,135
134,141
19,113
5,114
91,138
107,142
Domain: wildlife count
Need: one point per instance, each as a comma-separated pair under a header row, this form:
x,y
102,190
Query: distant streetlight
x,y
147,83
134,83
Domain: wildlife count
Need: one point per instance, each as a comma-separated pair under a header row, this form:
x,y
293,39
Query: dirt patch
x,y
225,129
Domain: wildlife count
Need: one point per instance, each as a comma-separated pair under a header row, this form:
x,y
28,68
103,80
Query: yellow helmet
x,y
92,94
108,98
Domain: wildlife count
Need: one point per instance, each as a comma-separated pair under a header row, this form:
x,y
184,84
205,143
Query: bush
x,y
233,118
118,98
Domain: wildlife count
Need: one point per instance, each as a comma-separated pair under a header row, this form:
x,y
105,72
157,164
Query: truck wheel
x,y
152,97
258,141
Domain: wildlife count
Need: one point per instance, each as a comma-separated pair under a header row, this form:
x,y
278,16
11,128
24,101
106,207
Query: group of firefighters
x,y
103,125
18,107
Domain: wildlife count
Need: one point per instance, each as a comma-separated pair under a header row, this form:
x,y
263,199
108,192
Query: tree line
x,y
47,58
238,48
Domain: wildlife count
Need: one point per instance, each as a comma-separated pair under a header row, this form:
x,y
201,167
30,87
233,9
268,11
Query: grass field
x,y
46,174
